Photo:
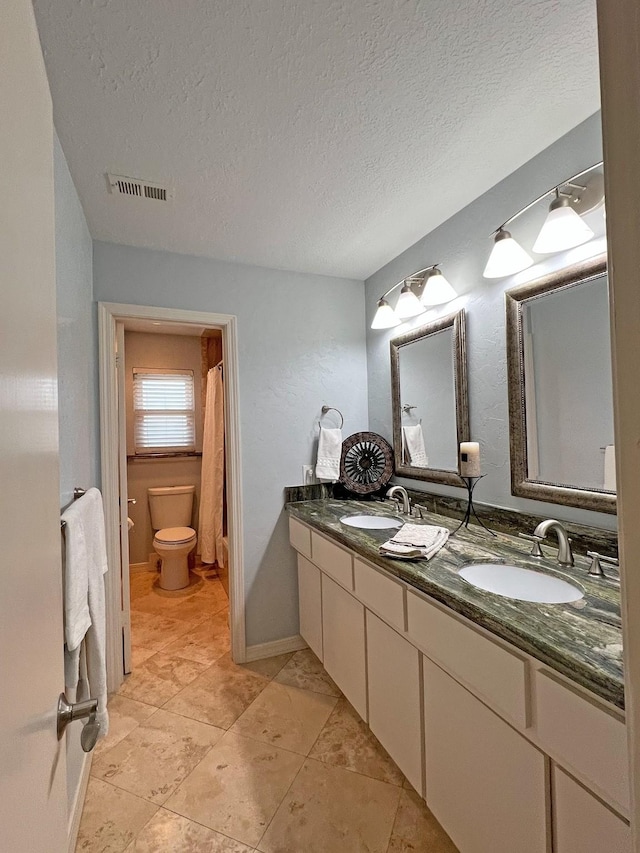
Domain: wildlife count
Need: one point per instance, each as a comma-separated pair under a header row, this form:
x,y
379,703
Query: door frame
x,y
108,314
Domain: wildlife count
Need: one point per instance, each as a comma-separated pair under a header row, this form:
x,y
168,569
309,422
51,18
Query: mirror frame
x,y
456,322
521,485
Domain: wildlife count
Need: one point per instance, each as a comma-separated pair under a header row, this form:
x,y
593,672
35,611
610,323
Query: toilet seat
x,y
175,535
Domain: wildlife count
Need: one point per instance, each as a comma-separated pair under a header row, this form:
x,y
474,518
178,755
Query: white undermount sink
x,y
521,584
371,522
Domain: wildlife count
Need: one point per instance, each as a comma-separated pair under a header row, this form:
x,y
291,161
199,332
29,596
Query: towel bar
x,y
326,409
77,493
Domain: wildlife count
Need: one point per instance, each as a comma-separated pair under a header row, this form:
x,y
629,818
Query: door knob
x,y
131,500
70,711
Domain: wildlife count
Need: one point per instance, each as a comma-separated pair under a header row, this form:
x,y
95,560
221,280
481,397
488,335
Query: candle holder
x,y
470,484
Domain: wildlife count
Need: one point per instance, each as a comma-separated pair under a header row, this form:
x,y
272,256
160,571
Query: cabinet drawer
x,y
310,605
380,593
300,537
491,672
332,559
582,824
584,737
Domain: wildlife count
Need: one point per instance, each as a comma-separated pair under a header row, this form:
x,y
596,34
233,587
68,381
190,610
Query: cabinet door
x,y
393,667
344,644
582,824
310,604
484,782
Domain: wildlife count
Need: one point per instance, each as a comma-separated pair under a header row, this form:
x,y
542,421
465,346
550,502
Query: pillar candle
x,y
469,459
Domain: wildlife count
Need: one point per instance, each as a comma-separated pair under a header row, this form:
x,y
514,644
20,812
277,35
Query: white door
x,y
124,500
33,796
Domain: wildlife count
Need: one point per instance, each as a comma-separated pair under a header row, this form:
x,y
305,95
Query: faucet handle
x,y
597,559
536,551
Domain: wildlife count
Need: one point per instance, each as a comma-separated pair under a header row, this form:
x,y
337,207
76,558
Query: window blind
x,y
164,411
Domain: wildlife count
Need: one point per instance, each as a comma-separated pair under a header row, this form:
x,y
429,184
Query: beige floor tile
x,y
140,583
167,832
199,606
286,716
124,715
157,755
154,630
267,667
237,788
415,828
159,678
305,670
219,695
329,809
111,818
205,643
139,655
346,741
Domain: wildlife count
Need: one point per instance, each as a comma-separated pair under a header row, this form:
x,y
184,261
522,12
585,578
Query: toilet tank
x,y
171,506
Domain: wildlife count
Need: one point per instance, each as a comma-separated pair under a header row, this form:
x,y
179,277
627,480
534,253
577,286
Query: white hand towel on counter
x,y
329,451
610,468
87,524
414,442
415,541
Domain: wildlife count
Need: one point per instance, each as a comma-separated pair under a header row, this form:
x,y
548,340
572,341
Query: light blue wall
x,y
462,245
301,344
77,373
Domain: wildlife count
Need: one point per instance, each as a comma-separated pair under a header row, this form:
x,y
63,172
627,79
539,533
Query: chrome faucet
x,y
565,555
399,493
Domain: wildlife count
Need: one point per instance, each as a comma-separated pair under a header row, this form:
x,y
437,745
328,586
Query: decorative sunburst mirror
x,y
366,464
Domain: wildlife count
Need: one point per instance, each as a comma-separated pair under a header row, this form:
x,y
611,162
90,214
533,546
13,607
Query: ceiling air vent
x,y
135,188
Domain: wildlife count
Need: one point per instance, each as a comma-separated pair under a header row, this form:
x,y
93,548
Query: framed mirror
x,y
560,389
429,400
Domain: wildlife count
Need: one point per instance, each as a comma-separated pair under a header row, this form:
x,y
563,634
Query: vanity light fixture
x,y
421,290
408,304
563,228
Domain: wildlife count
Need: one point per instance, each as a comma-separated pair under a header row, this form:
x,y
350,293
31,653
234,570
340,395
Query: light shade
x,y
436,289
562,229
408,304
385,316
507,257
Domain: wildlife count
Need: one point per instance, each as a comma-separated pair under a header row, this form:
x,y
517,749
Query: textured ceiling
x,y
316,135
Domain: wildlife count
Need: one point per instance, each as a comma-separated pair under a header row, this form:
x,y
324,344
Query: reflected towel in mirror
x,y
413,441
610,468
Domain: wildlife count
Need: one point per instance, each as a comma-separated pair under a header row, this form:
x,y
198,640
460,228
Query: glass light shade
x,y
408,304
385,316
507,257
436,289
562,229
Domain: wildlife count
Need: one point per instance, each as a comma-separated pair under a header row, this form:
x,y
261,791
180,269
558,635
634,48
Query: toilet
x,y
171,508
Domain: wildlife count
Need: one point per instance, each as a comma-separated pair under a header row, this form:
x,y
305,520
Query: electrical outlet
x,y
308,476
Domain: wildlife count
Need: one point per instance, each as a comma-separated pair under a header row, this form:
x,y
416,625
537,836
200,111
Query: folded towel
x,y
414,442
610,468
415,541
329,451
85,566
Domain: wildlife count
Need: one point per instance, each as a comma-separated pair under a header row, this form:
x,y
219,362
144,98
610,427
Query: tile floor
x,y
204,756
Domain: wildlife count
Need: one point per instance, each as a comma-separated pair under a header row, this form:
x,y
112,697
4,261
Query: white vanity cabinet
x,y
343,632
393,667
510,756
582,824
485,783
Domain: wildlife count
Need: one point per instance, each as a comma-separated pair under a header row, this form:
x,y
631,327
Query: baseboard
x,y
78,803
138,567
276,647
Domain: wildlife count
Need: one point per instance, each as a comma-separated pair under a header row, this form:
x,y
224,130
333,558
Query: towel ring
x,y
326,409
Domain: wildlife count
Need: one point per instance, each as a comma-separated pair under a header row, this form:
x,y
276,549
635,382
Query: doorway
x,y
113,320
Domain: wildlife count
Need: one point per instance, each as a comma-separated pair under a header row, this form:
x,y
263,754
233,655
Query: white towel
x,y
329,451
414,442
415,541
610,468
85,566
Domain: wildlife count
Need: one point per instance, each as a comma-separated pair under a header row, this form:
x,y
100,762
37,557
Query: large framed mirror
x,y
560,388
430,400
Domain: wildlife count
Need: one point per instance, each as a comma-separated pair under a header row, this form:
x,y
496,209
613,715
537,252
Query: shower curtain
x,y
212,483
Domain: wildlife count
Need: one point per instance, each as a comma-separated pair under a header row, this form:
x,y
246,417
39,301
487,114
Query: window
x,y
163,408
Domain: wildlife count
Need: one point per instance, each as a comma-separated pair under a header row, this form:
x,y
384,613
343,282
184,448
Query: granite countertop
x,y
582,639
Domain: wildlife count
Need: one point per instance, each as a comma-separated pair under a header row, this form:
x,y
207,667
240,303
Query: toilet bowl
x,y
171,508
172,545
